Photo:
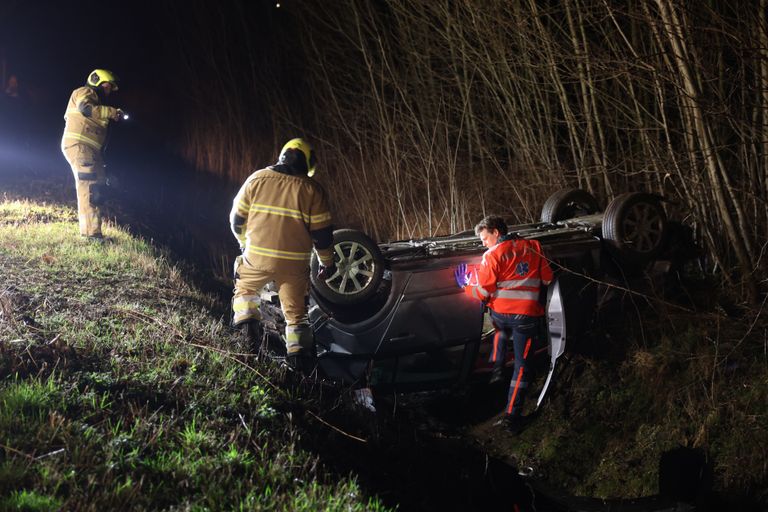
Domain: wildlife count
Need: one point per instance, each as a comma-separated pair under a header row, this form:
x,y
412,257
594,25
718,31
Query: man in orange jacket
x,y
509,281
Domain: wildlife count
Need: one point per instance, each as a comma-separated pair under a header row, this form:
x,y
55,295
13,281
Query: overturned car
x,y
393,317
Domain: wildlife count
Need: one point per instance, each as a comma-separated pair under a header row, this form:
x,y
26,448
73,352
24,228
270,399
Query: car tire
x,y
635,227
360,267
568,204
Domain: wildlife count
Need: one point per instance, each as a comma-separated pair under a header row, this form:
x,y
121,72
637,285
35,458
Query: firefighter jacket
x,y
275,217
510,277
86,119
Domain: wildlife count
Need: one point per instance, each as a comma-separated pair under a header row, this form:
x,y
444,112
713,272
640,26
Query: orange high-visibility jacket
x,y
273,216
510,277
86,119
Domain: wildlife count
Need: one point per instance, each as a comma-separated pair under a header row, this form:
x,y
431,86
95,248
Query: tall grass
x,y
621,402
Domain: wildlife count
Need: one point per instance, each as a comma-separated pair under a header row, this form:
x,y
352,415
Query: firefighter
x,y
278,215
87,120
509,280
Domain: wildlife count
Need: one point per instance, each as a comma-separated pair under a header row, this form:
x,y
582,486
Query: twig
x,y
622,288
231,356
321,420
242,420
51,454
14,450
180,336
751,326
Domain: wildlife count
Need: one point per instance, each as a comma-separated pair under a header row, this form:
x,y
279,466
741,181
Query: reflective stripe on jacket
x,y
86,119
272,216
510,276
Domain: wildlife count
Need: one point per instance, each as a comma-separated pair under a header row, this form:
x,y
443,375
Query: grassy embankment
x,y
119,390
673,399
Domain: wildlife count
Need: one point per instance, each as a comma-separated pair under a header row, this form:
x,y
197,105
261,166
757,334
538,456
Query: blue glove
x,y
461,275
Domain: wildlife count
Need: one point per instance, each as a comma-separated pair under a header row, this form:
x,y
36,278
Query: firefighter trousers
x,y
523,332
292,289
90,182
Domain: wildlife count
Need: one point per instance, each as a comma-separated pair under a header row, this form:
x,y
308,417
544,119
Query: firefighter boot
x,y
97,239
300,346
302,361
254,333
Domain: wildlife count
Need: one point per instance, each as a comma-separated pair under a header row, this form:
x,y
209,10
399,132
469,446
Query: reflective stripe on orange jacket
x,y
510,276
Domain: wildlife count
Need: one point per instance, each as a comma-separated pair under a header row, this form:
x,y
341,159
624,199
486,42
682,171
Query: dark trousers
x,y
523,332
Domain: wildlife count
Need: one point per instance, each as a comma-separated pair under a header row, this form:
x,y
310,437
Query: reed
x,y
430,114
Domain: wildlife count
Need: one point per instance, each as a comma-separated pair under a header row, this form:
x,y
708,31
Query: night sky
x,y
60,41
52,46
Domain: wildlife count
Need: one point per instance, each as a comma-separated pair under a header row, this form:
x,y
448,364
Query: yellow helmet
x,y
298,153
99,76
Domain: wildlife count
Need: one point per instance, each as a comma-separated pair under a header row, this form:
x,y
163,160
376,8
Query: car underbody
x,y
392,317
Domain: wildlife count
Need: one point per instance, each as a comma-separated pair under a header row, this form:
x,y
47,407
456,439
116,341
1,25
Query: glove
x,y
325,273
121,115
461,275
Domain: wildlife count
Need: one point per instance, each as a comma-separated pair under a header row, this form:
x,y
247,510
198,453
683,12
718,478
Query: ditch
x,y
427,451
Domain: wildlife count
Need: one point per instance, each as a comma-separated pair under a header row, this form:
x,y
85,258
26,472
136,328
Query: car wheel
x,y
635,226
360,267
568,204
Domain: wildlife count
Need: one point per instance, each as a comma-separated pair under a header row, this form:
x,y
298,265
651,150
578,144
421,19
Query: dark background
x,y
168,58
427,119
153,47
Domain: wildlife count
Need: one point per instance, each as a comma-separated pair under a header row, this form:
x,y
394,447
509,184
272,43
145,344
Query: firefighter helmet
x,y
100,76
298,153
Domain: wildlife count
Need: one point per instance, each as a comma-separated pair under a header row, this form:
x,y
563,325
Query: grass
x,y
698,387
122,388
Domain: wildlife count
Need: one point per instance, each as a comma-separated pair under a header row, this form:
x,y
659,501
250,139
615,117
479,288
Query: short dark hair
x,y
490,223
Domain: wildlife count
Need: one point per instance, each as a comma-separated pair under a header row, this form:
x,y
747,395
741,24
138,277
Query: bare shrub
x,y
429,114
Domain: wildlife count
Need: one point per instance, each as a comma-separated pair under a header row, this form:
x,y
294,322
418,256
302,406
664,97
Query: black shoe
x,y
497,375
513,424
